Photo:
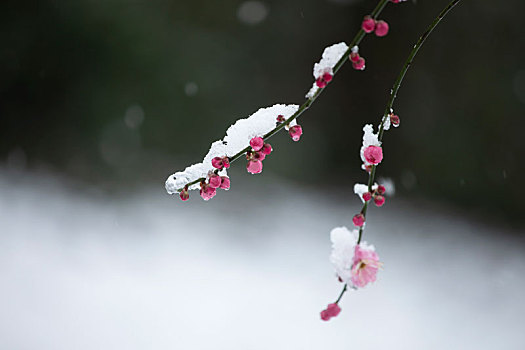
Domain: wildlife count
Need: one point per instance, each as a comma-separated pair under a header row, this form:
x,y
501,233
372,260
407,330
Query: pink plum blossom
x,y
214,181
207,192
254,166
373,154
367,196
365,265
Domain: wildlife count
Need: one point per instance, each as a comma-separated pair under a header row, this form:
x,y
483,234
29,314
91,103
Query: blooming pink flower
x,y
267,149
254,166
214,181
295,132
257,143
368,24
225,183
367,196
359,64
379,200
332,310
207,192
358,220
365,265
373,154
381,28
381,189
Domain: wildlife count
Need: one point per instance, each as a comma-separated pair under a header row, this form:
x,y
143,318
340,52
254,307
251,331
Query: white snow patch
x,y
331,55
237,137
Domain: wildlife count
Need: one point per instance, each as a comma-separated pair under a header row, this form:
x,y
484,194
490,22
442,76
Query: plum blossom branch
x,y
388,119
310,99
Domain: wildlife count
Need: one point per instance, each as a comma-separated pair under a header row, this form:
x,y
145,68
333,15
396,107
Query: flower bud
x,y
257,143
381,28
184,195
359,64
295,132
368,24
394,119
267,149
367,196
358,220
379,200
225,182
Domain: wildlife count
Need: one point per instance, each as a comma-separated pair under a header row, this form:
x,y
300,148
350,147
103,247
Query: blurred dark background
x,y
118,92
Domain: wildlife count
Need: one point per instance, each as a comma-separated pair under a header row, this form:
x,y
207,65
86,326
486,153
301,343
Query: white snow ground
x,y
249,270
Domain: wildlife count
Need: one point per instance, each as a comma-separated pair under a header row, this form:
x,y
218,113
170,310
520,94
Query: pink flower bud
x,y
217,163
259,156
354,57
184,195
254,166
332,310
374,154
367,196
394,119
358,220
267,149
368,24
320,83
359,64
379,200
381,189
325,316
327,77
381,28
281,118
225,182
257,143
295,132
214,181
220,163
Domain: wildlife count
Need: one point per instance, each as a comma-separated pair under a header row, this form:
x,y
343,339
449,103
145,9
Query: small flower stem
x,y
355,41
341,294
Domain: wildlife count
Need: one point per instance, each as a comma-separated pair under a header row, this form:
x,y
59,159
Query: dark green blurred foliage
x,y
72,72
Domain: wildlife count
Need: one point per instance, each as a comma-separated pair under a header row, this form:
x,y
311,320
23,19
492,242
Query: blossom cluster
x,y
356,263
